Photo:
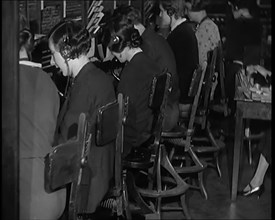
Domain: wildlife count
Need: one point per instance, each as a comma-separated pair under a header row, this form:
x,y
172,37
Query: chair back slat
x,y
200,74
220,60
194,85
107,123
80,187
203,105
160,89
208,79
58,169
110,128
66,163
123,111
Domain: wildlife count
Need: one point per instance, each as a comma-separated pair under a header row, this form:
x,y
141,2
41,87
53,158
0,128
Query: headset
x,y
66,48
171,11
66,51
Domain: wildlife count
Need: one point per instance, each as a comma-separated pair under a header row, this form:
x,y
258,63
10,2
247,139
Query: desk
x,y
245,109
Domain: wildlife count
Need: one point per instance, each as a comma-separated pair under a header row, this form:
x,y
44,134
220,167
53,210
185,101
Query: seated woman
x,y
156,47
124,42
39,106
183,42
69,43
207,32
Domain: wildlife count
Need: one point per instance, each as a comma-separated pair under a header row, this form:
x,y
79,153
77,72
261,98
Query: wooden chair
x,y
218,63
157,163
67,163
62,164
205,144
182,155
110,128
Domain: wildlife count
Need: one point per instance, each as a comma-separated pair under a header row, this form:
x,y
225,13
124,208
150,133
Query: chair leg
x,y
135,195
158,206
201,185
184,207
218,165
125,200
249,152
214,143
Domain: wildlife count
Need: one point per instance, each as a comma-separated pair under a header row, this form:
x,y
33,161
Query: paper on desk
x,y
263,95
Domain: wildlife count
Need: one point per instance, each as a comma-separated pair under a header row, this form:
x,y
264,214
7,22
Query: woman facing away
x,y
207,32
183,42
38,110
91,88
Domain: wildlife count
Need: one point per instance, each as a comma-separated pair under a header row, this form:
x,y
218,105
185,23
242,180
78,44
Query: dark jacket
x,y
184,44
160,51
92,89
156,46
243,40
135,82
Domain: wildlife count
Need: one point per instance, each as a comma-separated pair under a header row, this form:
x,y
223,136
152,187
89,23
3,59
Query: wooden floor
x,y
219,204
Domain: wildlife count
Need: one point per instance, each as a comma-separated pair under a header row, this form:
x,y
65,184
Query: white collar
x,y
177,23
29,63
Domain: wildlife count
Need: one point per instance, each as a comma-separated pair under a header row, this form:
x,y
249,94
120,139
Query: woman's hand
x,y
263,71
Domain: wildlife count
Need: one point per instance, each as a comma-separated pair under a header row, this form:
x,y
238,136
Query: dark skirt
x,y
101,162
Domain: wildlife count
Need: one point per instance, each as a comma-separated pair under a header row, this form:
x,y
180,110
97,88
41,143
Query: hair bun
x,y
135,38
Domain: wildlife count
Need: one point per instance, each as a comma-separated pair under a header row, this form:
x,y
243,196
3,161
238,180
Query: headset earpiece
x,y
66,48
66,51
170,11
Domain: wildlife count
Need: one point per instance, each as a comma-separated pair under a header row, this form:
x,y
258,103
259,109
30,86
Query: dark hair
x,y
197,5
70,39
128,12
251,5
176,7
26,40
119,35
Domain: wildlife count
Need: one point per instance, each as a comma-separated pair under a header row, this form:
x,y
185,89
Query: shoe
x,y
258,190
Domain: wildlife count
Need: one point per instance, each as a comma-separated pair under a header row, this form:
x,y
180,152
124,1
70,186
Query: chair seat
x,y
176,132
192,169
208,148
138,158
180,142
250,137
205,149
254,136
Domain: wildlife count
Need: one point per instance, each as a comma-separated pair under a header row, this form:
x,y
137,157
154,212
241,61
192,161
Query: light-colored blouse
x,y
208,37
